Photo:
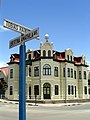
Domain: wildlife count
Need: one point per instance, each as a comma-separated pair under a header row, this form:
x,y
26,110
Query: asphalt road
x,y
47,112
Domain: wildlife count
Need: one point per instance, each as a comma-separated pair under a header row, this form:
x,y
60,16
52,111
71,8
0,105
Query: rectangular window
x,y
56,90
36,71
72,90
71,73
11,90
74,74
88,81
11,73
36,89
68,72
68,89
85,89
84,74
29,71
63,72
75,92
56,71
89,91
80,76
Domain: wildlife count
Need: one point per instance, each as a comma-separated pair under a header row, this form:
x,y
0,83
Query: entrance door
x,y
47,91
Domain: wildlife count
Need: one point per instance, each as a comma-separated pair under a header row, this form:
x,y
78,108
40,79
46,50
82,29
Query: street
x,y
9,111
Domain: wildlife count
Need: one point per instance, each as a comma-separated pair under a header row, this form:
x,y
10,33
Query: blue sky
x,y
66,21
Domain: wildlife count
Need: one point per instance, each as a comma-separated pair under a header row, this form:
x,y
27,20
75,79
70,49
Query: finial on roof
x,y
46,37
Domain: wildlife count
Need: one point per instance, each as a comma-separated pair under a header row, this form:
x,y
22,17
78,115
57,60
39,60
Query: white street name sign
x,y
19,40
16,27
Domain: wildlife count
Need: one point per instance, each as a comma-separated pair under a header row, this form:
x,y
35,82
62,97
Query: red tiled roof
x,y
78,60
4,70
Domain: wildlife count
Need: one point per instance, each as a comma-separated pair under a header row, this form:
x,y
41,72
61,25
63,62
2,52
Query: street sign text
x,y
16,27
19,40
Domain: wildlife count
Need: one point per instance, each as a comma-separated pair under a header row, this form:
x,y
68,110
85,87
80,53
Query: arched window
x,y
49,53
46,69
44,53
68,57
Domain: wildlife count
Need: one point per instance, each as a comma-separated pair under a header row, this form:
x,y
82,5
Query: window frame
x,y
64,72
56,90
29,71
36,89
85,90
46,69
49,53
36,71
11,72
68,57
69,90
56,71
11,90
75,76
85,76
80,75
44,53
68,72
71,73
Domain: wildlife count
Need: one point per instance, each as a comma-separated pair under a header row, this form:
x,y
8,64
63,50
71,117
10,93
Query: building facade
x,y
50,74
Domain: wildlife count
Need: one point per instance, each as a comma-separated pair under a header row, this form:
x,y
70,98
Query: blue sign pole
x,y
22,83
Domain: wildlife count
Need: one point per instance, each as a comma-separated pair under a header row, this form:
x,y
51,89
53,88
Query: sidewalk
x,y
41,104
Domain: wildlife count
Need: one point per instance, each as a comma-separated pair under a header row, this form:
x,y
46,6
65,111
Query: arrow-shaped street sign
x,y
29,36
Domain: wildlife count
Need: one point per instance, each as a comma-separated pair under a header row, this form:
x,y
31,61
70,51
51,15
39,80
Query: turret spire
x,y
46,37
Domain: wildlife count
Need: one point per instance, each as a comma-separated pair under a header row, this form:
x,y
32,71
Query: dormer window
x,y
55,56
44,53
29,57
68,57
84,62
71,58
49,53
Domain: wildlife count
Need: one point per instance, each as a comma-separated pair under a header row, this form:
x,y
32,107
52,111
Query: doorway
x,y
47,91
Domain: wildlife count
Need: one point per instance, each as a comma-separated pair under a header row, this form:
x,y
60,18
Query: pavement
x,y
41,104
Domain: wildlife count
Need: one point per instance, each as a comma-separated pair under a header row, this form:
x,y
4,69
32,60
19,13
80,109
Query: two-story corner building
x,y
50,74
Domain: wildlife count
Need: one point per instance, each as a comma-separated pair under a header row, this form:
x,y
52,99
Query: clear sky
x,y
66,21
